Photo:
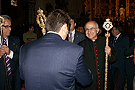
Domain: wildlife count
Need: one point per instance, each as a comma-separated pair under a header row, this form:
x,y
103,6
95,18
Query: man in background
x,y
120,43
130,67
9,52
30,35
74,36
80,28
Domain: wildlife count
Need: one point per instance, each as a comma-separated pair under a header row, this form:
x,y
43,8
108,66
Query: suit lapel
x,y
11,42
76,36
119,39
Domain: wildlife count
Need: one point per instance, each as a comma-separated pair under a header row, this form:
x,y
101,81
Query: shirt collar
x,y
118,36
6,40
54,33
73,32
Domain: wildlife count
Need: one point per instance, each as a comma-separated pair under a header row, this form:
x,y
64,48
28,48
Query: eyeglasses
x,y
7,26
90,29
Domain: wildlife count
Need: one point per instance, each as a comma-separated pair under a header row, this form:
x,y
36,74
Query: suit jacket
x,y
78,37
14,79
130,51
129,61
121,44
51,63
89,57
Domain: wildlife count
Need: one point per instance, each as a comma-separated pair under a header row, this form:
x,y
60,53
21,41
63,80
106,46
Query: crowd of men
x,y
65,58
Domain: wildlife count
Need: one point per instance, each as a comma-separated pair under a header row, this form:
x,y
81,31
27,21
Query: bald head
x,y
92,22
91,29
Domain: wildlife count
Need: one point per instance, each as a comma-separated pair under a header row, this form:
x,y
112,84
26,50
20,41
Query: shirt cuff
x,y
11,54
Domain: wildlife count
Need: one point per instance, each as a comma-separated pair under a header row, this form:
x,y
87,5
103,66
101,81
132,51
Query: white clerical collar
x,y
55,33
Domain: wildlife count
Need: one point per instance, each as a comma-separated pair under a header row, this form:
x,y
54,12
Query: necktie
x,y
70,36
115,39
7,59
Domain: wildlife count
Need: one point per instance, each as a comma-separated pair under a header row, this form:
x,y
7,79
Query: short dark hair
x,y
6,17
56,19
74,18
31,25
118,27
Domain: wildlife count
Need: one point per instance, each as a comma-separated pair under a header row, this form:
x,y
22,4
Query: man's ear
x,y
63,28
75,24
97,30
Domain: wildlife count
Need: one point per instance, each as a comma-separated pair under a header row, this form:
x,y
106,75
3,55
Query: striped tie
x,y
7,59
70,36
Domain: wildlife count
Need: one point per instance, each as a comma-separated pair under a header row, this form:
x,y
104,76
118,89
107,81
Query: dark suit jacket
x,y
14,79
89,57
130,51
130,67
78,37
51,63
121,44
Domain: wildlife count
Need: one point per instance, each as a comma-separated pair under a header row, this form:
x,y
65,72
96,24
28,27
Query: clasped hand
x,y
4,49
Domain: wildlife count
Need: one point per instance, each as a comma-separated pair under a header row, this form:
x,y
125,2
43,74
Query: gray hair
x,y
96,24
6,17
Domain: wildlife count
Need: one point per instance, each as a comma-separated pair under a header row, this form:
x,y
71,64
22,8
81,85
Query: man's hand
x,y
4,49
131,56
108,50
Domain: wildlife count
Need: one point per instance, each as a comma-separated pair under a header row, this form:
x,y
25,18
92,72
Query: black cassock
x,y
94,56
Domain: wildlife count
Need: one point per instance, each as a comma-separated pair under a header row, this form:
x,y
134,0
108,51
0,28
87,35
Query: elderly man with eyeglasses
x,y
94,56
9,52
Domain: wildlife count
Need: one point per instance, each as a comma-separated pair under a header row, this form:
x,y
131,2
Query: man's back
x,y
52,63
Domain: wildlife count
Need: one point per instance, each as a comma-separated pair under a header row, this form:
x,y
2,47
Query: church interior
x,y
24,12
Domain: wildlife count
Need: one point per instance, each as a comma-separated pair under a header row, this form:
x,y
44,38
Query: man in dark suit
x,y
53,63
120,43
10,51
94,56
74,36
130,68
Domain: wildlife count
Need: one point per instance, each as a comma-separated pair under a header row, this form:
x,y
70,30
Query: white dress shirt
x,y
11,52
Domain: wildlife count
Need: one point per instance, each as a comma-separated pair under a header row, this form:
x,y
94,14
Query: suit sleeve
x,y
82,75
124,46
20,65
114,56
130,51
16,52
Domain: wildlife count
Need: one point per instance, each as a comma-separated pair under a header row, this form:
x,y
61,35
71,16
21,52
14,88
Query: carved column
x,y
127,9
134,7
90,16
31,11
98,8
95,8
110,7
117,7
